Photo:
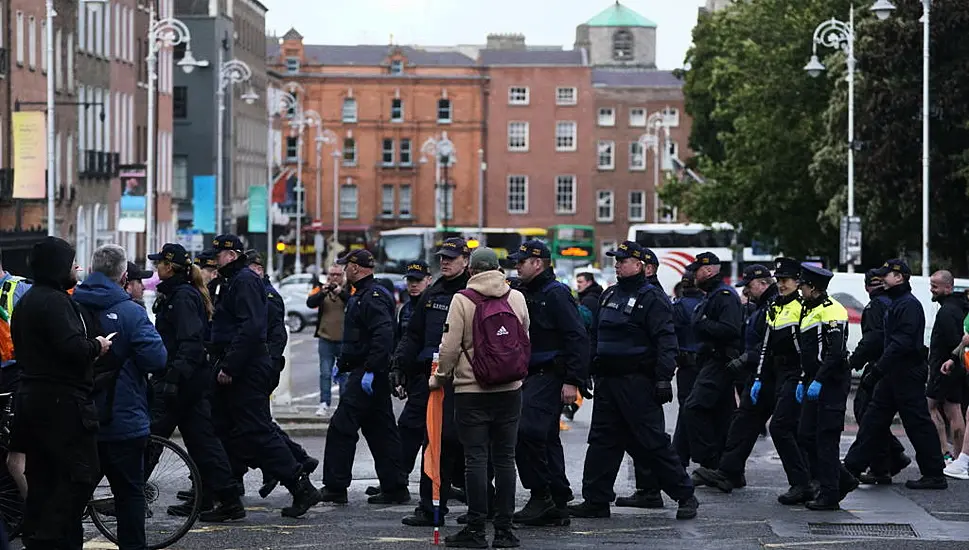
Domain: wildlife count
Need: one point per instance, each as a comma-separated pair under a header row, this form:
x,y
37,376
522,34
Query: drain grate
x,y
873,530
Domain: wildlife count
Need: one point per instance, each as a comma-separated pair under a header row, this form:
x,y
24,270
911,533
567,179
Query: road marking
x,y
307,396
813,543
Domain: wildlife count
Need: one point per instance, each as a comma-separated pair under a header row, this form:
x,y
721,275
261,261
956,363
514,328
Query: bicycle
x,y
167,466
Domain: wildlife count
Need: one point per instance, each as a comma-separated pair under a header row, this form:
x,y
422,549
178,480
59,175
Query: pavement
x,y
873,518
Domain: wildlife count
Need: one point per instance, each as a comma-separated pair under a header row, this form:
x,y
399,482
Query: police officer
x,y
891,459
717,327
635,360
368,339
898,380
208,265
558,367
413,361
823,389
244,374
686,367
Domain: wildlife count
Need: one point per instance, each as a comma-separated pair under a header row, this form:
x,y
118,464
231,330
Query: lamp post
x,y
231,72
481,185
168,32
655,123
287,101
323,136
442,149
883,9
303,120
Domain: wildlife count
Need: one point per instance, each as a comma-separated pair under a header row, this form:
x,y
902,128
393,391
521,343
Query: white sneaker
x,y
956,471
323,410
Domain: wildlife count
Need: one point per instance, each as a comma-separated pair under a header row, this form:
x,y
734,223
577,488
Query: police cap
x,y
173,253
362,257
871,279
704,259
896,265
787,268
752,273
228,242
418,269
531,249
207,259
454,247
255,258
815,276
135,273
630,249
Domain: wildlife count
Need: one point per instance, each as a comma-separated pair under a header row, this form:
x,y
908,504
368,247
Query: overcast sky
x,y
444,22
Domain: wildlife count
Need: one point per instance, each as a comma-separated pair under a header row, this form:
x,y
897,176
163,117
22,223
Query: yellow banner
x,y
29,155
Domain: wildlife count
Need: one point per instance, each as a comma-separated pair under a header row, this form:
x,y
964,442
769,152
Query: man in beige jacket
x,y
487,417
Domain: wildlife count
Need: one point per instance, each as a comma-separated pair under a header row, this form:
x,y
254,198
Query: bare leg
x,y
16,462
937,419
953,411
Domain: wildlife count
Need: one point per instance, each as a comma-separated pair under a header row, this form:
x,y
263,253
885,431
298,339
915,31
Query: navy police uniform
x,y
686,367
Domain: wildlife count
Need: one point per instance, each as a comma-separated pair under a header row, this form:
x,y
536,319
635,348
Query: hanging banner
x,y
203,201
258,209
134,186
29,155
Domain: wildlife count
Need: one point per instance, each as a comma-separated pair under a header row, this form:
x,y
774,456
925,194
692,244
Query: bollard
x,y
281,400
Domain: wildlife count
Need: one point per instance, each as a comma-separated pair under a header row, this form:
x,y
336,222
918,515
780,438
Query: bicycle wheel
x,y
11,503
167,468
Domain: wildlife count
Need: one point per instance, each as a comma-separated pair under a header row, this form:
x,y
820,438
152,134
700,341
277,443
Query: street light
x,y
301,121
655,123
442,149
231,72
323,136
287,102
839,35
883,9
168,32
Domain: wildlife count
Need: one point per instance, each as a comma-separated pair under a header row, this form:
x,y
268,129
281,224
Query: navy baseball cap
x,y
703,259
172,253
787,268
629,249
253,257
531,249
228,242
871,278
418,269
897,265
454,247
361,257
818,277
135,273
207,259
752,273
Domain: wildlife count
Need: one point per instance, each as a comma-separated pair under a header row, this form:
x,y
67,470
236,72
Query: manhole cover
x,y
877,530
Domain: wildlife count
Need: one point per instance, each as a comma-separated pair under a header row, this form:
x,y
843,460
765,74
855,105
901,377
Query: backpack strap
x,y
477,299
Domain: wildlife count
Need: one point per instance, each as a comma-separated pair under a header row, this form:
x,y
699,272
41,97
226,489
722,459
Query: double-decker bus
x,y
576,243
396,247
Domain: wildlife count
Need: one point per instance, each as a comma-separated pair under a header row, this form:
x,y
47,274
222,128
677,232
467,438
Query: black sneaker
x,y
224,511
305,496
469,537
641,499
930,483
588,509
185,509
422,518
823,504
269,485
697,480
536,507
400,496
185,495
505,538
869,478
796,495
336,496
556,517
715,478
688,508
372,491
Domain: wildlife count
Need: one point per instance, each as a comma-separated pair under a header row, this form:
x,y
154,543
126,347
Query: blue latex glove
x,y
814,390
799,392
367,383
335,372
755,391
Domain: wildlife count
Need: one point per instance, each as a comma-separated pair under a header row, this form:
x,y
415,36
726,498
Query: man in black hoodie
x,y
57,421
944,393
589,291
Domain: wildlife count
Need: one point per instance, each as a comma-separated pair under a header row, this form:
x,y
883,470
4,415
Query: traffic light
x,y
280,246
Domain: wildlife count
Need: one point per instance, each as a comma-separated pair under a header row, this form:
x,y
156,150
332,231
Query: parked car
x,y
295,288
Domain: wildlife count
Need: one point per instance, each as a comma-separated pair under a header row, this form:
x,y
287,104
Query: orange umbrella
x,y
432,453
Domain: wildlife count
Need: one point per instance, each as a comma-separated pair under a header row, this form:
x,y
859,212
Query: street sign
x,y
191,239
850,240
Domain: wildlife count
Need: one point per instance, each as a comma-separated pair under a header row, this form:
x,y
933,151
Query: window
x,y
292,149
387,201
98,34
517,194
518,95
118,31
565,96
605,200
637,117
665,214
622,45
671,117
565,133
396,110
670,151
349,152
31,42
20,38
348,201
70,62
58,63
405,152
444,111
565,194
388,152
43,46
607,261
292,65
130,33
448,208
637,156
349,109
607,155
637,206
180,102
291,110
607,116
180,177
404,198
397,67
81,25
518,136
107,30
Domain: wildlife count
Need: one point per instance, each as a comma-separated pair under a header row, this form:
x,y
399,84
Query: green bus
x,y
576,243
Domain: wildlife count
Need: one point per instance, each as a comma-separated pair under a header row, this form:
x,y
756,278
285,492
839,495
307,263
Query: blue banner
x,y
203,202
258,209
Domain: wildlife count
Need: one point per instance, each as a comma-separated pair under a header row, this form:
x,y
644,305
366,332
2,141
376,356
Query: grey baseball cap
x,y
484,259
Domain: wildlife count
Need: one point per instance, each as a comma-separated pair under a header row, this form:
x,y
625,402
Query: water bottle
x,y
435,362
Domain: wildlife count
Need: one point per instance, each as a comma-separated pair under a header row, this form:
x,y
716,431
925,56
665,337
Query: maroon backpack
x,y
501,344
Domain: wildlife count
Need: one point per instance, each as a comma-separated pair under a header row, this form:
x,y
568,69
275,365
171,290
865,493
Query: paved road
x,y
748,518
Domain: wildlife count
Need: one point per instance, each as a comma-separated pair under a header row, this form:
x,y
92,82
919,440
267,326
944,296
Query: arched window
x,y
622,45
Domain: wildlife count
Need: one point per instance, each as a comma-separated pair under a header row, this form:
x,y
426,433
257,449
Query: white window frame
x,y
566,135
292,65
607,261
58,57
606,116
405,213
670,149
98,48
107,30
348,201
384,202
20,38
637,117
118,32
291,159
517,191
601,148
70,151
565,194
450,111
518,95
42,46
396,67
637,156
671,117
640,205
70,62
662,217
81,23
566,95
349,110
408,150
384,150
399,110
518,136
31,42
350,149
605,198
130,34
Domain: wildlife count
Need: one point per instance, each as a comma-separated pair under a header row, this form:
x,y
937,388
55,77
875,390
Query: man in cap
x,y
135,287
717,324
635,360
897,384
891,459
412,369
686,366
368,341
558,367
245,374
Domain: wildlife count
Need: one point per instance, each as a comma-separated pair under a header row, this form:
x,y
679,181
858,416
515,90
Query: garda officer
x,y
413,361
558,367
418,277
244,374
898,381
368,339
746,424
823,389
207,265
890,460
635,359
717,327
686,367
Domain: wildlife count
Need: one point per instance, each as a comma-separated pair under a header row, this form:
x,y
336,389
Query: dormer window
x,y
622,46
397,66
292,64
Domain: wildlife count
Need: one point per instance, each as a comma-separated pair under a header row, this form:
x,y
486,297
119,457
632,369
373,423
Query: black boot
x,y
372,491
336,496
269,484
846,484
469,537
310,465
505,538
716,478
641,499
463,518
688,508
423,518
226,510
588,509
871,478
305,496
399,496
185,495
899,463
823,504
185,509
927,483
536,507
796,495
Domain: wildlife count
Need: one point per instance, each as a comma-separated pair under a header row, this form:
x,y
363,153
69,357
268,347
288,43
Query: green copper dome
x,y
618,15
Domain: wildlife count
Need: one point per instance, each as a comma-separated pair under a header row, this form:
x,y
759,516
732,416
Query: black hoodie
x,y
49,335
